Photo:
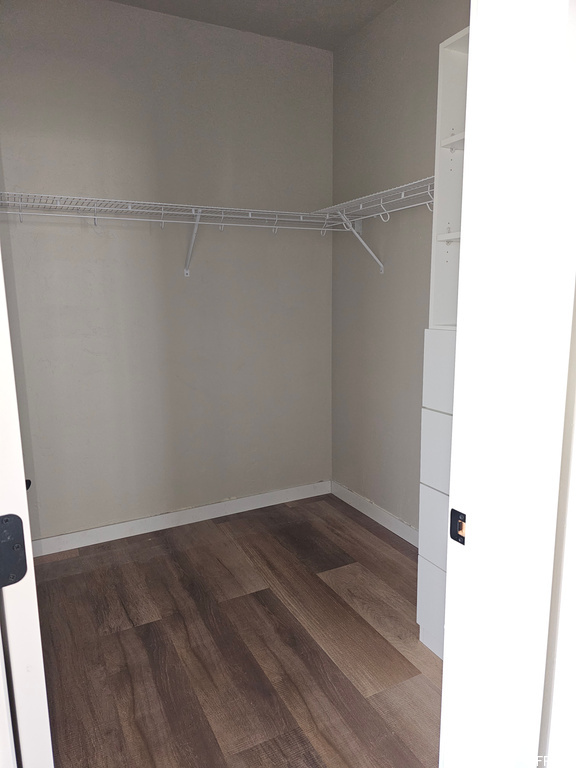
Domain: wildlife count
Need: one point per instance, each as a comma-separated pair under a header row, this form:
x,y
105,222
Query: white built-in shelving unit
x,y
440,341
453,70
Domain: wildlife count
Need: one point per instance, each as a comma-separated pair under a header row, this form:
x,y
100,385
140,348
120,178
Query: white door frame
x,y
7,750
516,292
558,741
18,602
558,736
494,659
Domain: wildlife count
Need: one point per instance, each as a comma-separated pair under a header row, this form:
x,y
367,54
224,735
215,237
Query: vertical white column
x,y
7,751
19,602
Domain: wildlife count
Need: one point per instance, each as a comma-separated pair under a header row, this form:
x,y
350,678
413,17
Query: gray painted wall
x,y
385,81
143,392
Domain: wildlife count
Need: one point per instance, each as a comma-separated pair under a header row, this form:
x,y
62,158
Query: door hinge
x,y
13,565
458,526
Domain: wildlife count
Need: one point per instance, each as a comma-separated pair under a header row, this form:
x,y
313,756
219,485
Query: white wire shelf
x,y
21,204
384,203
337,218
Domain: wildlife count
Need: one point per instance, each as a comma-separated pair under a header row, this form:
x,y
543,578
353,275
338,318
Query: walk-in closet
x,y
230,242
220,392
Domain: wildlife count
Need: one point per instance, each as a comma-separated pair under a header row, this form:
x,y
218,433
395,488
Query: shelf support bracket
x,y
192,241
350,228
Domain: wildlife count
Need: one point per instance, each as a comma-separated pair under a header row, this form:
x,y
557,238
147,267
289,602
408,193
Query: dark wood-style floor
x,y
284,637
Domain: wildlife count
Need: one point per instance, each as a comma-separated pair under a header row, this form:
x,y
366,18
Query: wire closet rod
x,y
337,218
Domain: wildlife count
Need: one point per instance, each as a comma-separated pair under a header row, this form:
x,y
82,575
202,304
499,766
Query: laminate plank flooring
x,y
383,559
86,729
315,551
239,702
222,564
413,709
332,713
161,718
368,595
364,656
97,557
371,525
282,637
293,750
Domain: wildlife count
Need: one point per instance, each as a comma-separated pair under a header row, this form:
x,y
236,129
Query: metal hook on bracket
x,y
20,215
95,219
275,227
385,213
221,225
324,228
162,222
430,203
347,223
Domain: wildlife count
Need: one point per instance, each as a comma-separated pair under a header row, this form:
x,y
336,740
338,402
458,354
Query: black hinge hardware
x,y
458,526
13,565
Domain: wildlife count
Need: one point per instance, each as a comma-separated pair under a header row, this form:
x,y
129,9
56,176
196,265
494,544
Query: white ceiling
x,y
320,23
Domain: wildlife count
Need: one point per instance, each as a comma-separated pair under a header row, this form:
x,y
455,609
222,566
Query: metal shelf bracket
x,y
350,228
192,241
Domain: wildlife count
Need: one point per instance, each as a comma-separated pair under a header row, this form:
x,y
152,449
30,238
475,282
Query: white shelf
x,y
383,203
334,218
456,141
163,213
442,327
448,237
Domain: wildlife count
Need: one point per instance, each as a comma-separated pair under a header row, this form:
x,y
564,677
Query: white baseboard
x,y
378,514
230,507
173,519
432,641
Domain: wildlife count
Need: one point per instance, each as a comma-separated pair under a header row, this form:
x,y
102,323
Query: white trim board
x,y
105,533
173,519
380,515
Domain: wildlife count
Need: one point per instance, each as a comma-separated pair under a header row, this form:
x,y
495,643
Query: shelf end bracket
x,y
192,241
350,228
